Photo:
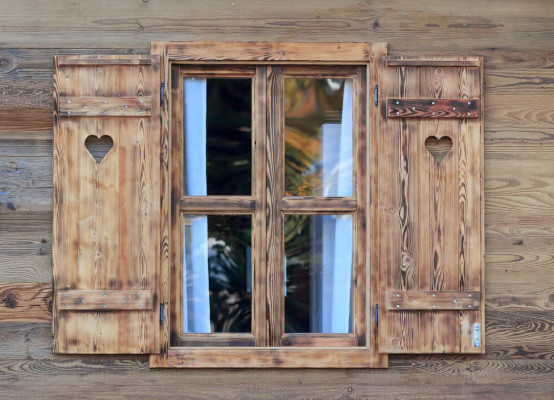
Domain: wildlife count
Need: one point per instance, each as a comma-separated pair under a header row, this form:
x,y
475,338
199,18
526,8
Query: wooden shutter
x,y
106,211
430,206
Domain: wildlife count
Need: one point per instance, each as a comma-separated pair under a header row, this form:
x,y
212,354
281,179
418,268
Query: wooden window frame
x,y
321,351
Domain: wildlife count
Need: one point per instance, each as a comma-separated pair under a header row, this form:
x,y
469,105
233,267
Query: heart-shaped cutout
x,y
98,147
438,148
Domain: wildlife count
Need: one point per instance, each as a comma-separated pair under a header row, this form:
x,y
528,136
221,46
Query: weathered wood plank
x,y
217,204
274,357
103,300
429,300
25,302
138,106
432,108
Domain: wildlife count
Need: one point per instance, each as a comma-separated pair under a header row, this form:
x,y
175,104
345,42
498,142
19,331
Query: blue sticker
x,y
476,335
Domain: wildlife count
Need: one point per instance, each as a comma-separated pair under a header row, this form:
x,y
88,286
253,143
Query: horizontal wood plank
x,y
432,300
217,204
93,60
432,62
98,300
272,357
105,106
433,108
319,340
311,205
269,51
26,302
216,340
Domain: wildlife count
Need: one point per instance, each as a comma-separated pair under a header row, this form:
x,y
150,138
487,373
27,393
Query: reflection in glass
x,y
318,273
217,136
318,137
217,270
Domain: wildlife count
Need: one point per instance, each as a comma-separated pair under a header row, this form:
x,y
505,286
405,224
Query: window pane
x,y
318,268
217,271
217,136
318,137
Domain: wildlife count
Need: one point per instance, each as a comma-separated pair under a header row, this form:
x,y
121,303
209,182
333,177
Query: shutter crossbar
x,y
104,300
104,106
433,108
432,300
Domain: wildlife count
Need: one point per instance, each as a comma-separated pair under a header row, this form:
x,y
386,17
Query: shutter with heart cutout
x,y
106,227
430,205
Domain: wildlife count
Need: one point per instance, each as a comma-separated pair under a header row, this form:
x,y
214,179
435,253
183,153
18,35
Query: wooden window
x,y
301,205
290,173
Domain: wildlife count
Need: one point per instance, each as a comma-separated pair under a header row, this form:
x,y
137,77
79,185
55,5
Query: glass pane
x,y
318,273
318,137
217,132
217,271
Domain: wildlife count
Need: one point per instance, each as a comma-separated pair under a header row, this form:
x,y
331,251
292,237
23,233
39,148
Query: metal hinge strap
x,y
376,314
162,86
376,94
161,313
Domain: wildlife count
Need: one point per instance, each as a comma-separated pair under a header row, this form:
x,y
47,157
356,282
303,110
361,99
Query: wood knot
x,y
10,299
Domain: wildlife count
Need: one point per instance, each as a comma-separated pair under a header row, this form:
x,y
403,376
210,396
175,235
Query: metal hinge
x,y
376,94
161,313
162,86
376,314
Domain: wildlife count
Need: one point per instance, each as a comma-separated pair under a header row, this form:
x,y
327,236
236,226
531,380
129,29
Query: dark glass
x,y
318,137
217,131
318,273
217,271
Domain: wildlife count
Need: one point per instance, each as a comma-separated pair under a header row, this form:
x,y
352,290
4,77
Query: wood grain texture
x,y
516,41
267,51
429,108
430,220
26,302
428,300
272,357
103,300
105,106
105,229
217,204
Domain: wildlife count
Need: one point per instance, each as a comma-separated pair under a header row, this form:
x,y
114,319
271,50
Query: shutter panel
x,y
430,206
106,210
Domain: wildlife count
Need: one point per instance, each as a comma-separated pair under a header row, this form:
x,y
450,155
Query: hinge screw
x,y
434,306
454,108
126,106
82,300
85,106
105,101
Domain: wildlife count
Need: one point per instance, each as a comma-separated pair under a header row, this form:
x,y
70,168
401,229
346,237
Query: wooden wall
x,y
517,39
